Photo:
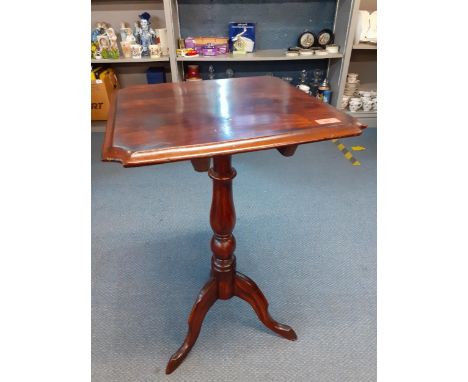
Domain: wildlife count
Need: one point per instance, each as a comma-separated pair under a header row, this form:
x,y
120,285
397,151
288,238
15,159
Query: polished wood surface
x,y
152,124
225,282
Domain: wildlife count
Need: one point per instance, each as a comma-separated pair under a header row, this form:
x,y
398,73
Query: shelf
x,y
129,60
362,113
260,55
364,45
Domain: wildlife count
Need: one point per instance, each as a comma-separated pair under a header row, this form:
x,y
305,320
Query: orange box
x,y
203,40
101,91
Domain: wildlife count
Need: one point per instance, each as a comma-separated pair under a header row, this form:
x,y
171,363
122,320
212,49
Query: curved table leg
x,y
246,289
207,297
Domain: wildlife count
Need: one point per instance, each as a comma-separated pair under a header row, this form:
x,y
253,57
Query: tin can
x,y
326,96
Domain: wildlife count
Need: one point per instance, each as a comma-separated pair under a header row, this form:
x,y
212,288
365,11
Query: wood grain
x,y
151,124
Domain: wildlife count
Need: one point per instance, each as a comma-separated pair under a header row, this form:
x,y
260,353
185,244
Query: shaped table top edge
x,y
130,158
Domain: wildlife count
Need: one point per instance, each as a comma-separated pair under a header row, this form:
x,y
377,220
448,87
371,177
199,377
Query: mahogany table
x,y
209,121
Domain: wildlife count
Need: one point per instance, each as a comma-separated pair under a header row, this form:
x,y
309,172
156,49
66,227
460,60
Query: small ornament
x,y
229,73
325,37
306,40
104,42
144,34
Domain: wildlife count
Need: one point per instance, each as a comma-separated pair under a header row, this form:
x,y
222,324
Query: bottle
x,y
323,87
316,82
303,78
211,72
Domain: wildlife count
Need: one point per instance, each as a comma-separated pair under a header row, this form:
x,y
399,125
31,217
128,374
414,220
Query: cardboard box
x,y
101,91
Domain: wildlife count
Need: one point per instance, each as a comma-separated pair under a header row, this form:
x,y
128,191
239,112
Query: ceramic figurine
x,y
104,42
144,34
126,33
229,73
99,30
113,50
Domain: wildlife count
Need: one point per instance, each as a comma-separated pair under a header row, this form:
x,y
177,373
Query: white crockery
x,y
304,88
332,48
367,106
354,107
345,101
366,99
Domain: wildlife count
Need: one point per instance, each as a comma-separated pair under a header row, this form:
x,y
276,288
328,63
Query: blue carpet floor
x,y
306,233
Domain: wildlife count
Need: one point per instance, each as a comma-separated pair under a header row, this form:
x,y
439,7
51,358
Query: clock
x,y
307,40
325,37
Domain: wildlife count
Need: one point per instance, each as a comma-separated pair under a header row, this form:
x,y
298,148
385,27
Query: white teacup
x,y
366,94
366,99
367,106
126,48
304,88
354,106
374,104
155,50
137,49
356,100
345,102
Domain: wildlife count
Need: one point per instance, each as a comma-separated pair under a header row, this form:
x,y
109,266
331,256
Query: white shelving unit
x,y
123,60
360,58
165,14
130,71
260,55
364,45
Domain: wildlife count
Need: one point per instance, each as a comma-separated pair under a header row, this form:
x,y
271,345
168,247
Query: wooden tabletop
x,y
151,124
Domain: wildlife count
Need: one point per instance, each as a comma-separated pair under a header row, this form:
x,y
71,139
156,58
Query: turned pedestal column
x,y
225,282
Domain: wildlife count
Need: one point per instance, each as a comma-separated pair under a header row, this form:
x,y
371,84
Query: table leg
x,y
225,282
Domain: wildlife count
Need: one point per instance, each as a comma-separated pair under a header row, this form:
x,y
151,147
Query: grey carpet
x,y
306,233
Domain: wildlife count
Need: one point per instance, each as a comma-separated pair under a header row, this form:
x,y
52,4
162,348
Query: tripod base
x,y
244,288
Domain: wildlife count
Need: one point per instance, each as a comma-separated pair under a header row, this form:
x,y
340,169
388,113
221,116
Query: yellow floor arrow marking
x,y
341,147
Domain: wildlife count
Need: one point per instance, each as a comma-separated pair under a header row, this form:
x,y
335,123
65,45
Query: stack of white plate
x,y
352,85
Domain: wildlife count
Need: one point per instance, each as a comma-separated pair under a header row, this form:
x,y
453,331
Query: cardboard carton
x,y
101,91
